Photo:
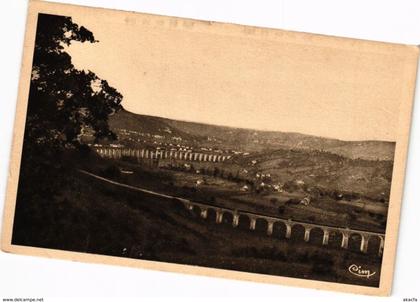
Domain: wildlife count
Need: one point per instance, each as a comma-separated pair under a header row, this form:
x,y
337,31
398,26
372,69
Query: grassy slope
x,y
227,193
90,216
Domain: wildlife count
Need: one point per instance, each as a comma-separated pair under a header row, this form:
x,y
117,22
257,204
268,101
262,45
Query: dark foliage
x,y
64,101
63,104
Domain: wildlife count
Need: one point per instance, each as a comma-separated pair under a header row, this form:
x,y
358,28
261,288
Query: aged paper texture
x,y
209,148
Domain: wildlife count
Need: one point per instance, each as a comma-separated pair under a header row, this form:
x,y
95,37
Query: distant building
x,y
306,201
199,182
116,145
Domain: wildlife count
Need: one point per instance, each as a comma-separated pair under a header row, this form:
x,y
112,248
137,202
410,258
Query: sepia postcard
x,y
209,148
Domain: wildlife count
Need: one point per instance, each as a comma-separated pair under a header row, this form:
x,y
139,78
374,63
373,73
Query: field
x,y
348,183
198,182
93,217
284,175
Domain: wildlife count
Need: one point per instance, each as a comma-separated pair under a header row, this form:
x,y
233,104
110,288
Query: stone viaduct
x,y
271,221
346,233
117,153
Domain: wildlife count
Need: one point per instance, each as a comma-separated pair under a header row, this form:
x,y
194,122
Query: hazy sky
x,y
243,81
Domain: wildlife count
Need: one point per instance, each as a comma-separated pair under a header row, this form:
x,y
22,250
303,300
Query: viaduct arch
x,y
346,233
203,210
118,153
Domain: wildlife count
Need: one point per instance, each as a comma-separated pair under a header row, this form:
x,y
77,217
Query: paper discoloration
x,y
315,123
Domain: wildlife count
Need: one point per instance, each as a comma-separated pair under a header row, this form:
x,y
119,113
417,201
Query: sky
x,y
228,76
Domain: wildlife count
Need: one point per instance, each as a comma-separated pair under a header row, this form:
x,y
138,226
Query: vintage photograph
x,y
213,145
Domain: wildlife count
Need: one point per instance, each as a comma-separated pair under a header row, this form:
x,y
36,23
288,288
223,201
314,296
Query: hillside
x,y
245,140
355,169
87,217
323,170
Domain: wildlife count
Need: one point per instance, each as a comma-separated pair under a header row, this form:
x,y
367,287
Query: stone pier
x,y
326,236
253,223
307,235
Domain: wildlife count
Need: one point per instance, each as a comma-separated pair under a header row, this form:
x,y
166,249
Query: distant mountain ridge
x,y
361,168
248,140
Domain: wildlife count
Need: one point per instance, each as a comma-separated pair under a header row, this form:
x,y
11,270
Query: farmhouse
x,y
306,201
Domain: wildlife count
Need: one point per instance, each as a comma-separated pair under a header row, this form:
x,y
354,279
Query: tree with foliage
x,y
63,103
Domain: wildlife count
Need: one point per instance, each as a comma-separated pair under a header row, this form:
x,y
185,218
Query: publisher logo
x,y
357,270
